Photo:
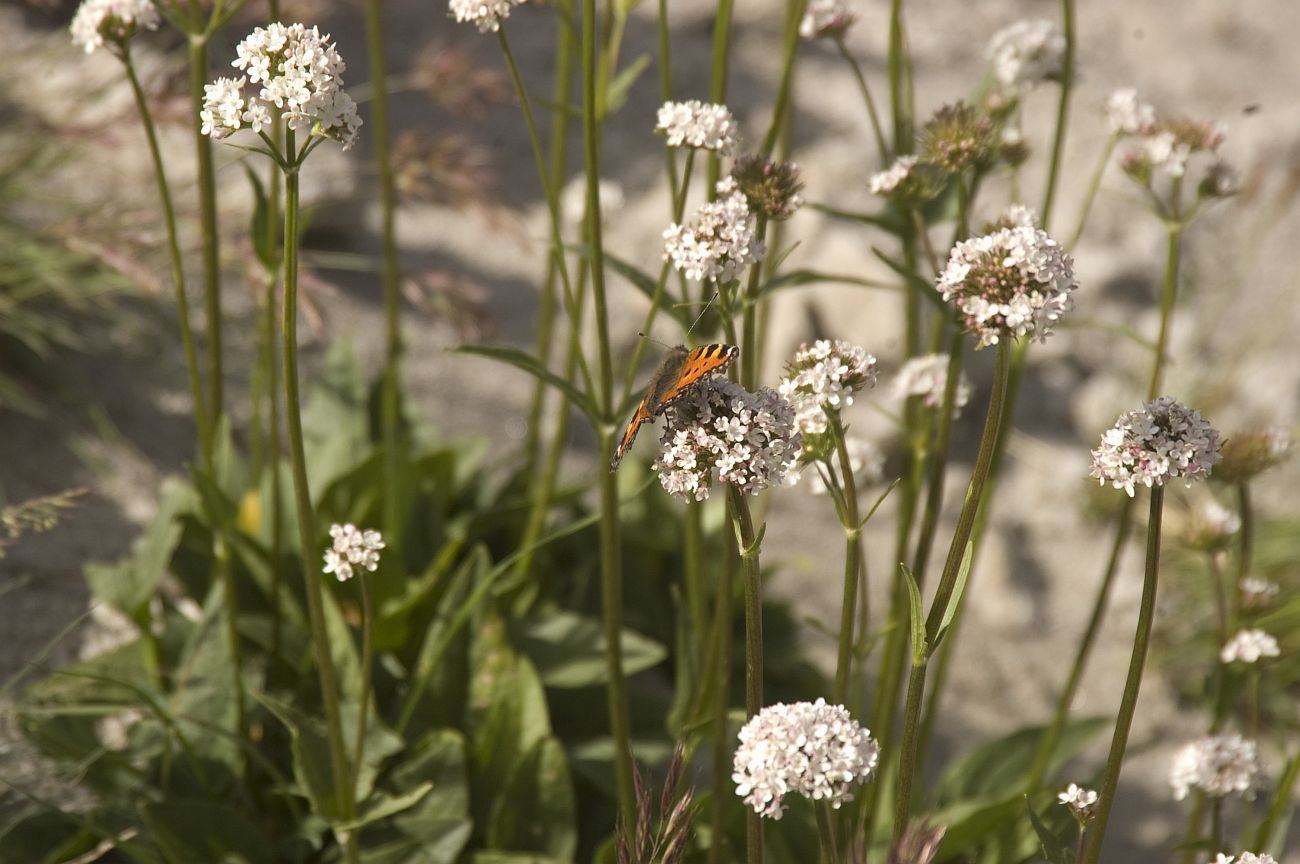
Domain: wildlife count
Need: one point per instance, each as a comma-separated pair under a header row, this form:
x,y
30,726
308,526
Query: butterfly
x,y
680,371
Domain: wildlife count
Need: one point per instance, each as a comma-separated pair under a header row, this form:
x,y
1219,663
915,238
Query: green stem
x,y
1062,110
367,661
1119,742
719,673
1168,296
852,559
750,570
1279,806
207,183
794,13
947,582
274,453
749,321
939,458
830,851
718,75
1093,186
881,147
1245,548
302,497
898,73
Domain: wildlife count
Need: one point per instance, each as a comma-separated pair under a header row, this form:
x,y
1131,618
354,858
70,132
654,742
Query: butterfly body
x,y
682,368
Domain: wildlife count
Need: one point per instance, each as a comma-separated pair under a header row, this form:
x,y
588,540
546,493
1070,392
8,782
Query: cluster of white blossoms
x,y
100,22
888,181
1080,801
809,748
1244,858
1027,53
1218,765
487,15
927,377
1258,592
749,439
866,461
1249,646
719,241
698,124
301,77
1012,282
1168,147
1162,439
352,550
825,375
826,19
1126,114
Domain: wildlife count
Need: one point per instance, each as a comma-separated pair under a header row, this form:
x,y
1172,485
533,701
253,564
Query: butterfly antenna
x,y
702,311
650,338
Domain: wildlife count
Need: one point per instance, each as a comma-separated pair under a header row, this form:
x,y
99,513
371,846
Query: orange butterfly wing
x,y
680,371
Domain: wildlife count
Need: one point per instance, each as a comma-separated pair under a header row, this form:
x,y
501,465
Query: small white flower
x,y
825,375
1027,53
887,181
487,15
1162,439
223,107
352,550
1248,646
719,241
698,124
1244,858
1126,114
826,19
1080,801
1218,765
98,22
808,748
1258,592
927,377
1013,282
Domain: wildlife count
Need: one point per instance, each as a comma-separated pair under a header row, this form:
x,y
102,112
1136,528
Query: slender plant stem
x,y
198,48
1124,720
1279,806
749,317
748,542
1062,109
720,675
666,83
898,73
1093,186
1168,297
947,583
718,75
794,13
881,147
852,559
939,458
830,851
274,451
302,497
367,661
1245,548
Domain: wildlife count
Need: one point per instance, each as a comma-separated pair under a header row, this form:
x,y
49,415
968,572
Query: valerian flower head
x,y
927,377
1013,282
1217,765
1027,53
487,15
698,124
1126,114
1211,526
808,748
824,376
892,178
1258,593
1244,858
1168,147
1248,454
301,77
1081,802
826,19
111,22
1248,646
771,188
352,550
720,241
1015,216
1161,440
748,439
958,137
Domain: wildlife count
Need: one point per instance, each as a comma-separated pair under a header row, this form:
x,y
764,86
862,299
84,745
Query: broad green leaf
x,y
309,745
266,240
44,836
920,651
497,856
335,420
528,363
536,810
436,828
1055,850
569,649
954,599
997,766
191,831
381,806
343,651
203,684
971,822
128,584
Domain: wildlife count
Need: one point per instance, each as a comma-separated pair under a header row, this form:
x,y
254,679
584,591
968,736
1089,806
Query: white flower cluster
x,y
1244,858
1218,765
720,241
1013,282
926,377
111,21
1249,646
1080,801
1126,114
825,376
749,439
887,182
1162,439
301,78
1258,592
866,461
809,748
487,15
1168,147
698,124
826,19
352,550
1027,53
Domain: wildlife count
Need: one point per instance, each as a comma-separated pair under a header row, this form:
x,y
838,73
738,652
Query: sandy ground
x,y
120,423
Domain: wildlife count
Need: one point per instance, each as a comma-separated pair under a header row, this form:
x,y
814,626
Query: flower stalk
x,y
749,543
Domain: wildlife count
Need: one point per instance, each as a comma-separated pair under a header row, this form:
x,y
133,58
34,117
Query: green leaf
x,y
205,831
380,744
265,239
954,599
536,810
800,278
309,746
528,363
127,585
335,422
887,221
437,827
996,766
569,649
616,93
381,806
920,651
1055,850
44,836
